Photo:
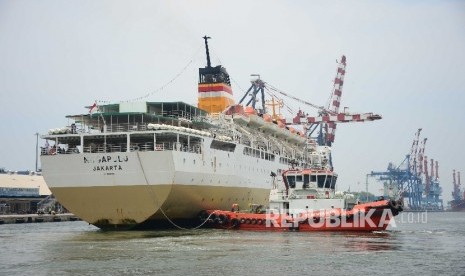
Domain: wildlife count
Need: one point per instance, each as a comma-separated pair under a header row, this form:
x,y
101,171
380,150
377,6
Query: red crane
x,y
413,152
432,168
421,154
330,115
427,179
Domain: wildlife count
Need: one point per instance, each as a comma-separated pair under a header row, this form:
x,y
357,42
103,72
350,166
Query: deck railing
x,y
148,146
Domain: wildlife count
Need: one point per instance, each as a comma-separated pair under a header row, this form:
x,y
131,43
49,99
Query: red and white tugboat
x,y
308,202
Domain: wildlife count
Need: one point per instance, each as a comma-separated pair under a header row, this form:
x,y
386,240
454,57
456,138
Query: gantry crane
x,y
412,180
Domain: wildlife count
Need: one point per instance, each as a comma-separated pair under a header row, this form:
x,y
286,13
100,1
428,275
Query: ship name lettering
x,y
103,159
119,159
108,168
87,161
122,159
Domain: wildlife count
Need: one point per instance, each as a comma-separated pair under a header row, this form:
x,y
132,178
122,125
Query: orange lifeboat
x,y
269,126
267,118
250,110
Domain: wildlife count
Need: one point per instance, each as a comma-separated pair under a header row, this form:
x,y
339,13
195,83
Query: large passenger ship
x,y
155,164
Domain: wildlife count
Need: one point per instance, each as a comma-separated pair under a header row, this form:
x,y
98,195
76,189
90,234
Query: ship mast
x,y
208,52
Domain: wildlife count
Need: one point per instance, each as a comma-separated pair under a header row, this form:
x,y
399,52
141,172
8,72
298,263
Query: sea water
x,y
418,244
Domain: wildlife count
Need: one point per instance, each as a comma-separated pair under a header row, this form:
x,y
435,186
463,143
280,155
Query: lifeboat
x,y
282,132
256,121
269,127
297,138
291,135
250,110
241,119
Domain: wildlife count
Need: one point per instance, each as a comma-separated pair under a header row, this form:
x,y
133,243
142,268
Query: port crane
x,y
412,180
456,192
328,117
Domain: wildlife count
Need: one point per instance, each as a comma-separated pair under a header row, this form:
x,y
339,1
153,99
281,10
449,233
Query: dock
x,y
37,218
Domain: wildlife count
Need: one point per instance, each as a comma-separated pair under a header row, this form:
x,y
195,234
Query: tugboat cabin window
x,y
321,181
333,182
306,181
291,181
326,181
312,178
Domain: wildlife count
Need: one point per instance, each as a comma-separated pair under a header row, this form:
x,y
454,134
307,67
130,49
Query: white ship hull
x,y
126,189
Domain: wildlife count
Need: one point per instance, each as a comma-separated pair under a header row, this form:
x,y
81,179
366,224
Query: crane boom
x,y
338,118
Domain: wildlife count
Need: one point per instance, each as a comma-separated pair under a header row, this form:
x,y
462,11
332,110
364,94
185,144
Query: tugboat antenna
x,y
208,52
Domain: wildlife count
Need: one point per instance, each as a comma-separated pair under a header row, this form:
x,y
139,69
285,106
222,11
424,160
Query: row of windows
x,y
323,181
259,154
284,160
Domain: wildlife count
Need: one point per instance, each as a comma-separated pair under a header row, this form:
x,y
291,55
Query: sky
x,y
405,61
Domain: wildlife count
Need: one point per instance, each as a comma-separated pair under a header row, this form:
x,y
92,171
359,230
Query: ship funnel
x,y
214,93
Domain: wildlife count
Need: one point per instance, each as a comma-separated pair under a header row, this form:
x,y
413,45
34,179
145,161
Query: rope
x,y
161,87
288,107
159,205
320,108
182,228
214,53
